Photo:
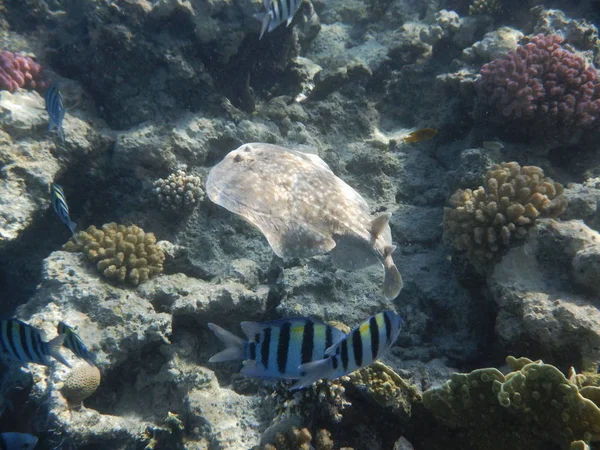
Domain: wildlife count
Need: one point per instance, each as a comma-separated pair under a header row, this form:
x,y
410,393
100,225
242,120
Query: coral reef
x,y
17,71
544,82
124,254
179,191
379,383
488,219
301,439
81,382
548,406
491,7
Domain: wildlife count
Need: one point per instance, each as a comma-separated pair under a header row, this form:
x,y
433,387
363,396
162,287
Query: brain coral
x,y
81,382
18,71
484,220
121,253
544,82
546,404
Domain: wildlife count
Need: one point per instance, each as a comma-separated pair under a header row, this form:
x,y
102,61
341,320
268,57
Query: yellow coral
x,y
384,386
487,219
124,254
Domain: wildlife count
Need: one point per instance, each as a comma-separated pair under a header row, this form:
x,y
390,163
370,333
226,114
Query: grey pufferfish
x,y
303,208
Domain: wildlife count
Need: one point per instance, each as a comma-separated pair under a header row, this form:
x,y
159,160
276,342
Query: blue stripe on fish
x,y
24,343
59,204
276,349
55,109
74,343
361,347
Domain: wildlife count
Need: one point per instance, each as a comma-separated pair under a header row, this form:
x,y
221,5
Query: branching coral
x,y
17,71
487,219
121,253
179,191
543,82
545,402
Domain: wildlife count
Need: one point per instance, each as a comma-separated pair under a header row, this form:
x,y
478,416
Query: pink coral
x,y
545,82
17,71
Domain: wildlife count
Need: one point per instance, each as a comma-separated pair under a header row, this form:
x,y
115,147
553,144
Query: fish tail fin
x,y
235,345
72,226
392,284
312,372
54,349
265,18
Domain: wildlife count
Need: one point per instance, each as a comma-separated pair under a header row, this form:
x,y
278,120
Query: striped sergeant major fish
x,y
276,12
24,342
59,204
276,349
361,347
74,343
55,109
17,441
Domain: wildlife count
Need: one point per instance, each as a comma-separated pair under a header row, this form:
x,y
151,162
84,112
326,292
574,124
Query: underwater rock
x,y
543,293
303,209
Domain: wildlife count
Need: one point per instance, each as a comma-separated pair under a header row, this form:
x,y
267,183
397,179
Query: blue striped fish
x,y
59,204
361,347
276,349
24,342
74,343
277,11
55,109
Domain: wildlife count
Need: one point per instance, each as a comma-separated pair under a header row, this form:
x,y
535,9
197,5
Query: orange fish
x,y
424,134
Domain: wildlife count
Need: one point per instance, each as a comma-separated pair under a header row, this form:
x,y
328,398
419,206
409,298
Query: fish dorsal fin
x,y
379,224
251,329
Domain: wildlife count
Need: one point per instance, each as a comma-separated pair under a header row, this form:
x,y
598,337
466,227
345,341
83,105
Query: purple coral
x,y
17,71
544,82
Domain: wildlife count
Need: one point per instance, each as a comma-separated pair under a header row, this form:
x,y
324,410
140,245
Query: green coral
x,y
546,404
124,254
486,220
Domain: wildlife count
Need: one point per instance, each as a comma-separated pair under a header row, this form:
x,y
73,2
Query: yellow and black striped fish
x,y
276,12
362,346
277,348
74,343
24,342
59,204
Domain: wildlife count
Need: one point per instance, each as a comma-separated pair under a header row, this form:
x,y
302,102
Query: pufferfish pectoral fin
x,y
392,283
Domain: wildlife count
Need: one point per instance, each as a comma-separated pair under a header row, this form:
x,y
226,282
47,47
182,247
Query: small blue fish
x,y
362,346
17,441
59,204
74,343
276,349
24,342
56,110
276,12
